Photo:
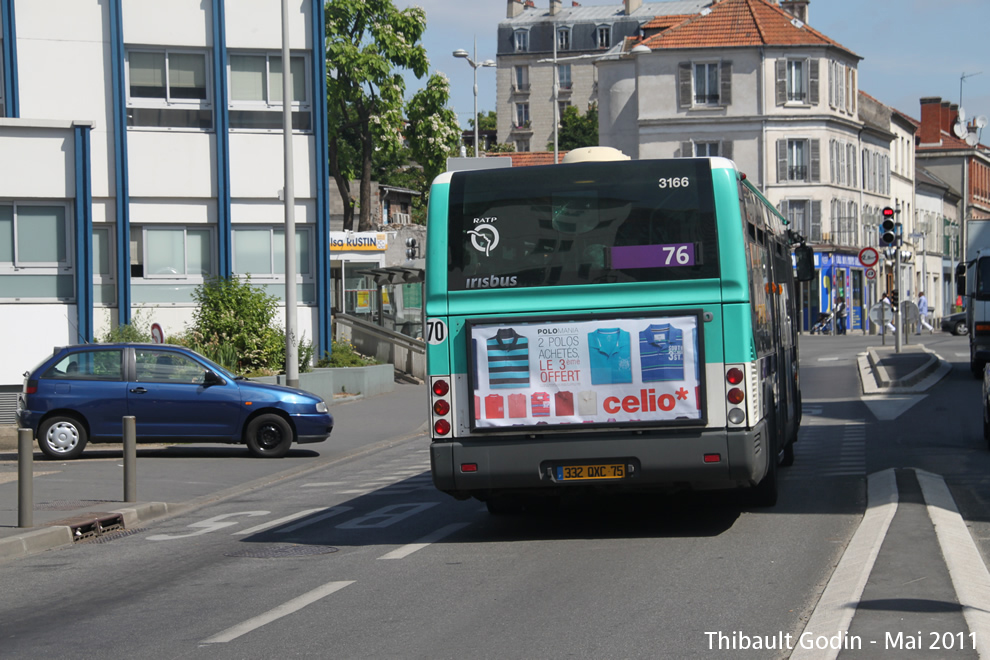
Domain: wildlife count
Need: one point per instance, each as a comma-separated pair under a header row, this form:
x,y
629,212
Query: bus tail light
x,y
736,394
981,328
440,387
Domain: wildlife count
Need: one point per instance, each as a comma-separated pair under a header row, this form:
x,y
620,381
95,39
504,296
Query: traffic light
x,y
893,300
888,231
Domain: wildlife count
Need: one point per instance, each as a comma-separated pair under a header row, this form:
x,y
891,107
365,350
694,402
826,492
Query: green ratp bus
x,y
625,325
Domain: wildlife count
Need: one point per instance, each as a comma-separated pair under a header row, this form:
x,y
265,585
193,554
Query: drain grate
x,y
69,505
106,537
279,551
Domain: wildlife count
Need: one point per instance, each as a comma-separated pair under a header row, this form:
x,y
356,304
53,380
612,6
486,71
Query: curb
x,y
876,380
45,538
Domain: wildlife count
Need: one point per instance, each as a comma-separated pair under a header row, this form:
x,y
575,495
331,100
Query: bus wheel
x,y
504,505
787,460
764,494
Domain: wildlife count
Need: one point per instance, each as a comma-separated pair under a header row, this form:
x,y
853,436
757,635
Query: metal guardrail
x,y
405,353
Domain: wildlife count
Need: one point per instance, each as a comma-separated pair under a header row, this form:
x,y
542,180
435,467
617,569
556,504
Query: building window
x,y
2,107
563,38
35,252
604,36
706,83
805,217
104,291
522,145
797,160
522,115
564,76
173,262
706,149
522,78
256,92
522,41
797,86
168,89
259,252
562,106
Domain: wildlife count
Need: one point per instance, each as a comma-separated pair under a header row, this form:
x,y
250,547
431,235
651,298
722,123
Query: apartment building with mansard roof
x,y
142,153
525,58
752,80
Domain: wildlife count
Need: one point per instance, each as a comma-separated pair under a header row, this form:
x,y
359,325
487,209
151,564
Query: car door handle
x,y
138,390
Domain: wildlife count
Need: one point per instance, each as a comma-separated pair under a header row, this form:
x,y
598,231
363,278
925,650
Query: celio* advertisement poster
x,y
595,371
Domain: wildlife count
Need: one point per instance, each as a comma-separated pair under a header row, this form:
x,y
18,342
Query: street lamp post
x,y
460,52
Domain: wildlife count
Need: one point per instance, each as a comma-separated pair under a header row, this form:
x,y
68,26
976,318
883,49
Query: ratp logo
x,y
484,238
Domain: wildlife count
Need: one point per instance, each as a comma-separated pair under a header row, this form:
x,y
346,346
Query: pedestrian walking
x,y
888,313
923,312
840,316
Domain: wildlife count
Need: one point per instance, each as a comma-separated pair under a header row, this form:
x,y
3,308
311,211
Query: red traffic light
x,y
888,212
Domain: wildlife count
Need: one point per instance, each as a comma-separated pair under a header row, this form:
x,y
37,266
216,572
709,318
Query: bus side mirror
x,y
961,279
805,259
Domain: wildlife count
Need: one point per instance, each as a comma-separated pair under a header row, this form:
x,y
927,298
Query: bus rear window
x,y
585,223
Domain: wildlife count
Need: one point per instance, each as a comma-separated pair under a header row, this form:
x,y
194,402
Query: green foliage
x,y
137,331
577,131
342,354
233,321
486,122
505,148
432,132
368,43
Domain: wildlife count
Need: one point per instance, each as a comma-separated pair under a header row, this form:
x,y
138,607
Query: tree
x,y
576,131
432,131
368,42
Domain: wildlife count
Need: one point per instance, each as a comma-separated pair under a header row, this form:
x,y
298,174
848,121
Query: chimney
x,y
950,112
931,120
632,5
530,4
796,8
515,8
554,7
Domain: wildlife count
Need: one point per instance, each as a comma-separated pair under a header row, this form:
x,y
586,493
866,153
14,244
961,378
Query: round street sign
x,y
870,273
869,257
157,336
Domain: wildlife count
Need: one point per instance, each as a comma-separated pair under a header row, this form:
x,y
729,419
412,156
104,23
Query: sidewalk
x,y
88,492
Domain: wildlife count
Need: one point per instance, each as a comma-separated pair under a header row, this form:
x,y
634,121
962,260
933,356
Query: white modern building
x,y
143,152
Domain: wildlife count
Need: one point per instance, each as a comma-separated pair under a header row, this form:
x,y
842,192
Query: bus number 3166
x,y
675,182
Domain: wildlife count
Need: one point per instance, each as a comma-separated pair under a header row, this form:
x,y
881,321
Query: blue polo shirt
x,y
610,356
661,353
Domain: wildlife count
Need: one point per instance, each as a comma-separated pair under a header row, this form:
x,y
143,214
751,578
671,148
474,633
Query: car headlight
x,y
321,407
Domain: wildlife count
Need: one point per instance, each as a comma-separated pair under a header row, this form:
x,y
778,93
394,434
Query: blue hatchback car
x,y
81,393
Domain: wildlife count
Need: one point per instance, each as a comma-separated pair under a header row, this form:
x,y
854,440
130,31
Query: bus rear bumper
x,y
704,459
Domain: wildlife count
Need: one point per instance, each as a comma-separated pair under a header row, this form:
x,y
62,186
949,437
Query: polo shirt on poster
x,y
609,356
517,405
541,404
661,353
494,407
588,403
508,359
563,403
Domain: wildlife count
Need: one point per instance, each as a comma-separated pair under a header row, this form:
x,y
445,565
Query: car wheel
x,y
62,437
960,328
269,436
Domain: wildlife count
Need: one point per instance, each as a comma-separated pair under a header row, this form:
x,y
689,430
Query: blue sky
x,y
910,48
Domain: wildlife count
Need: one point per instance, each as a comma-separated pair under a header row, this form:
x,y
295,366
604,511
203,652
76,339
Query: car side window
x,y
153,366
88,365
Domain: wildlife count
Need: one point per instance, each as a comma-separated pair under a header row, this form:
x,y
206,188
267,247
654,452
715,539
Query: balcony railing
x,y
797,173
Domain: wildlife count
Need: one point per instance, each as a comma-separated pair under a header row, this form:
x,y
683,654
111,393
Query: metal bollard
x,y
25,478
130,459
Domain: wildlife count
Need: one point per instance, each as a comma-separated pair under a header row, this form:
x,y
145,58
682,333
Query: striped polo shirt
x,y
661,353
508,360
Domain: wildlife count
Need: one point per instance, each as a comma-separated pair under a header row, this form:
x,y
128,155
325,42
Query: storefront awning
x,y
393,275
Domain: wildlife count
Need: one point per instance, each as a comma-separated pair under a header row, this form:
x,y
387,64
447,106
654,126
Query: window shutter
x,y
684,83
687,151
725,149
725,83
816,221
781,161
816,161
781,85
784,210
831,84
813,82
